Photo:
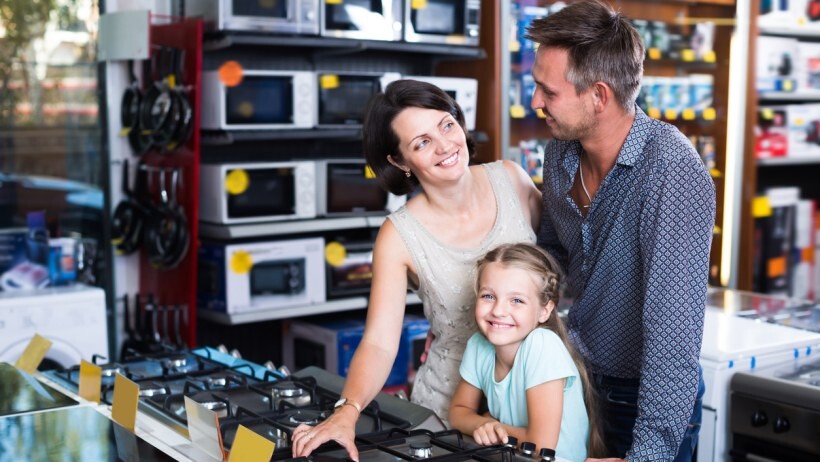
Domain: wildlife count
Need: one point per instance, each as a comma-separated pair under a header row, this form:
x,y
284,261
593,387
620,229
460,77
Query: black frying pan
x,y
131,100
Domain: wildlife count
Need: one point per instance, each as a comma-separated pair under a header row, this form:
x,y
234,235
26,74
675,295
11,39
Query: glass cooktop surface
x,y
20,392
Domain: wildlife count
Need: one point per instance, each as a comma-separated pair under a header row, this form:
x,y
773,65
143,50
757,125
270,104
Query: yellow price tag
x,y
709,113
418,4
655,53
540,113
125,131
788,85
688,114
710,56
654,112
172,81
517,111
33,355
687,55
249,446
761,207
514,46
241,262
335,254
671,114
715,173
333,2
369,173
237,182
328,81
124,404
767,113
90,381
716,230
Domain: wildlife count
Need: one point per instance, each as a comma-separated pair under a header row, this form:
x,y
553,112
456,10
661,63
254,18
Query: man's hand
x,y
489,433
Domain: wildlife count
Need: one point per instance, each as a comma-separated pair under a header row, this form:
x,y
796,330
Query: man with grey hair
x,y
629,209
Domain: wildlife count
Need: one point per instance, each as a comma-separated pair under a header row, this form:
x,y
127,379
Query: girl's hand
x,y
489,433
339,427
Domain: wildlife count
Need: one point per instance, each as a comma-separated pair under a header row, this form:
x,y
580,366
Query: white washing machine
x,y
73,318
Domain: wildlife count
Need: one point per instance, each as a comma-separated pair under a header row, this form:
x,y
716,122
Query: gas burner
x,y
421,449
303,416
176,361
290,392
152,390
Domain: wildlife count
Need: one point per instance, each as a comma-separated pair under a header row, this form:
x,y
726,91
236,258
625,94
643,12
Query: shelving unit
x,y
760,174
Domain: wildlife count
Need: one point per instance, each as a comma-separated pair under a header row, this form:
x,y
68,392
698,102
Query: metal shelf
x,y
225,138
775,161
804,32
215,231
222,40
333,306
776,96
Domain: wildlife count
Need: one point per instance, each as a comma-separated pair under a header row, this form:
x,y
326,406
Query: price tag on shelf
x,y
517,111
688,114
249,446
761,207
710,56
90,381
540,113
655,53
33,355
687,55
654,112
671,114
709,113
124,404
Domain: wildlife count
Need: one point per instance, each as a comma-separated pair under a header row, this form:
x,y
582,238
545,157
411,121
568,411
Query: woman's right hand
x,y
339,427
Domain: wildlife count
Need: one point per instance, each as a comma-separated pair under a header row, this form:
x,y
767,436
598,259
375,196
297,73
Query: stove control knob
x,y
782,425
759,419
527,448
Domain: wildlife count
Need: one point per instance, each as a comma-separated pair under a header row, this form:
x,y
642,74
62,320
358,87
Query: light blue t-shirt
x,y
542,357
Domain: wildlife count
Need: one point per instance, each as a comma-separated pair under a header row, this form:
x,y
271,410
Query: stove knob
x,y
759,419
782,425
512,442
527,448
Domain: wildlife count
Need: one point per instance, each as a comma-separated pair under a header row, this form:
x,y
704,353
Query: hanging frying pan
x,y
186,120
158,101
131,100
139,140
128,218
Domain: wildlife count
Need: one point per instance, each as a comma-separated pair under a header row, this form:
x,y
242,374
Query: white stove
x,y
735,343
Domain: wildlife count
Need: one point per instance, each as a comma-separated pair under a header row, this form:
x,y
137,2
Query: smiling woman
x,y
415,139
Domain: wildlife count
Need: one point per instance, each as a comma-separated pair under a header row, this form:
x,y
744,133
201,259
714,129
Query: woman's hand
x,y
489,433
339,427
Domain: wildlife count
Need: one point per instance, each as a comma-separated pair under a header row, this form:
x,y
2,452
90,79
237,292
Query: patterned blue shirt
x,y
637,266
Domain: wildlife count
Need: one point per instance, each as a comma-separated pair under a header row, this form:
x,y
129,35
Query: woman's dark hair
x,y
379,140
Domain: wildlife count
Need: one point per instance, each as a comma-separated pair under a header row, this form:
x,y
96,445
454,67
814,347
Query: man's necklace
x,y
583,185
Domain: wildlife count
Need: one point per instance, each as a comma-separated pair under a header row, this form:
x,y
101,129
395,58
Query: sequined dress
x,y
446,287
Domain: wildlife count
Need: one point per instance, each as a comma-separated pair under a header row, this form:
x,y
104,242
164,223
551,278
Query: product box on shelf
x,y
331,345
771,132
807,68
802,283
414,341
254,276
774,239
775,64
804,130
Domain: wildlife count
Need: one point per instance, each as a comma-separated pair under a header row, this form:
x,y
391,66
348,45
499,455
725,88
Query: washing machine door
x,y
61,354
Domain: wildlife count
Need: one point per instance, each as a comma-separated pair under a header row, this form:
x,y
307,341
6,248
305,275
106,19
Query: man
x,y
629,209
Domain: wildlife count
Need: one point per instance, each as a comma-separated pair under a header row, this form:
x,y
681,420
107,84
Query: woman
x,y
415,135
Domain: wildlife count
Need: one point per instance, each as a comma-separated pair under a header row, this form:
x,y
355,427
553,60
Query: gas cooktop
x,y
269,402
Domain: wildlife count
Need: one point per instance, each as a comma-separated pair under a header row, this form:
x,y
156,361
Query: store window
x,y
51,145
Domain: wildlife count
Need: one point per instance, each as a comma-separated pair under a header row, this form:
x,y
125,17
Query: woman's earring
x,y
407,173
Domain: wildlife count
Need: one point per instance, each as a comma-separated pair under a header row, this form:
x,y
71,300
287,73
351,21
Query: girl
x,y
532,379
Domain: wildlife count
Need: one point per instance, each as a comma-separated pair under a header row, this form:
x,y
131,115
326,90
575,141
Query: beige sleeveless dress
x,y
446,287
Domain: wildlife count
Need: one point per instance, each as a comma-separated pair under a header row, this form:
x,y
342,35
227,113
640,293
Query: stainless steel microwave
x,y
346,187
343,96
252,276
285,16
257,192
463,90
454,22
362,19
262,100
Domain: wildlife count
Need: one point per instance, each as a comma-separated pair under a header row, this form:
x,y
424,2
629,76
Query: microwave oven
x,y
285,16
244,277
262,100
257,192
351,273
454,22
463,90
345,187
343,96
362,19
